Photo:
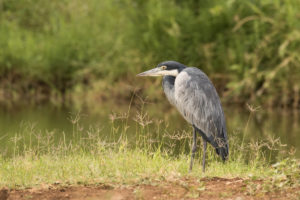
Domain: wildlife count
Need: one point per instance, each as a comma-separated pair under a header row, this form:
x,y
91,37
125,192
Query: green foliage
x,y
250,45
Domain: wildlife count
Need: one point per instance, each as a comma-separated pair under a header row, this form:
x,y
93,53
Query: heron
x,y
190,90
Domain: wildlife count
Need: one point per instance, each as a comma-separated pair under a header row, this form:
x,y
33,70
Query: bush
x,y
252,46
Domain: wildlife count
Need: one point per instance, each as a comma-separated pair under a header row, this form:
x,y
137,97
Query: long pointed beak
x,y
151,72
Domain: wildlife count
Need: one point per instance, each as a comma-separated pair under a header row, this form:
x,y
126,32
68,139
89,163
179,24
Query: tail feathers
x,y
223,152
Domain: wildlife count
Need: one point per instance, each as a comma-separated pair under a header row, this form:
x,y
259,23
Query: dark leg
x,y
204,152
194,148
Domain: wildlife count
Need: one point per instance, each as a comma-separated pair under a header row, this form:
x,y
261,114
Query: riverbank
x,y
120,92
135,175
39,159
184,188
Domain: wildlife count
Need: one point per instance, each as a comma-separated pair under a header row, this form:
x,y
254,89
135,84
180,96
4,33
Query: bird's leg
x,y
204,153
194,148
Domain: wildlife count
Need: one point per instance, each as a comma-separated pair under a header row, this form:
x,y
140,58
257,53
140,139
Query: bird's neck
x,y
168,86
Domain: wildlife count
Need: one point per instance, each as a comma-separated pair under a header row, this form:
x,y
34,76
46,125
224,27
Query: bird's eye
x,y
163,67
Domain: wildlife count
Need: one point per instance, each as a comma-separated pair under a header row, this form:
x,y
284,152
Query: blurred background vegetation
x,y
62,49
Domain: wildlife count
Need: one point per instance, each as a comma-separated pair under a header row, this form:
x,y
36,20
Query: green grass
x,y
34,159
51,50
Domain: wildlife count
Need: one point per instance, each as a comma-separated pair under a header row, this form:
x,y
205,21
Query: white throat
x,y
173,72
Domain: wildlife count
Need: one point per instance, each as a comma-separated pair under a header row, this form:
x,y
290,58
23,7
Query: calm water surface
x,y
262,124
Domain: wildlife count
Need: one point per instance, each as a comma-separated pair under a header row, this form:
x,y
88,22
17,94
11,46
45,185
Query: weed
x,y
89,156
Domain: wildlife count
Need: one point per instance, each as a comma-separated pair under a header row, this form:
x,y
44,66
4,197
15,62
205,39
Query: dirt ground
x,y
212,188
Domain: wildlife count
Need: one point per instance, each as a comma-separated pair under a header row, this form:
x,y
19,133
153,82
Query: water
x,y
261,124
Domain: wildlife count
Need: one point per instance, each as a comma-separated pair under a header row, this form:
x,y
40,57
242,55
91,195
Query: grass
x,y
65,46
34,158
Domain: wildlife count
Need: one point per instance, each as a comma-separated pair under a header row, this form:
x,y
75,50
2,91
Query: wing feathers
x,y
197,100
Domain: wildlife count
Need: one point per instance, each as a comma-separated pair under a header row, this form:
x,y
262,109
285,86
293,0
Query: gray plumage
x,y
193,94
198,102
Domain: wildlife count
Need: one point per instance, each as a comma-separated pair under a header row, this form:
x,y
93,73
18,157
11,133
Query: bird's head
x,y
167,68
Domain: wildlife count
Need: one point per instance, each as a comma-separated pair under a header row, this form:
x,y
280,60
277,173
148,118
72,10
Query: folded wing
x,y
197,100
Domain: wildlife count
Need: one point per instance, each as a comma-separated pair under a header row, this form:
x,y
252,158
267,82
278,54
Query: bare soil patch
x,y
207,188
